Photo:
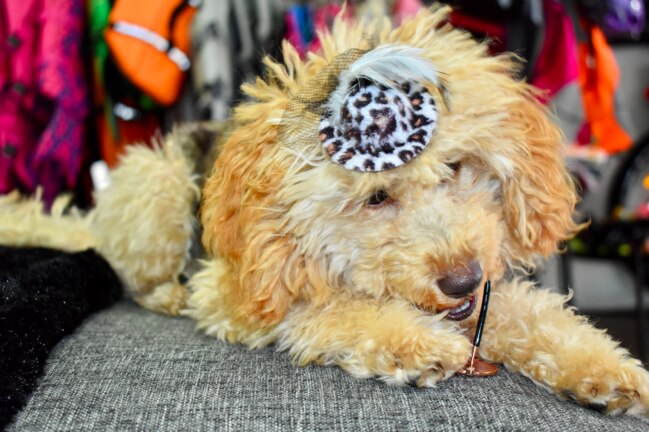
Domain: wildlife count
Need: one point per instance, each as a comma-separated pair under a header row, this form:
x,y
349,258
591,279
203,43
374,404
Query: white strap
x,y
180,58
155,40
142,33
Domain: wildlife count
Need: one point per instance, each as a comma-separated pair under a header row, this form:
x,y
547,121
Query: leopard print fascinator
x,y
380,115
373,110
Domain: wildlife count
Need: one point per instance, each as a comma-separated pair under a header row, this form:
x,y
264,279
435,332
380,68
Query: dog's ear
x,y
221,200
244,171
272,274
539,195
242,224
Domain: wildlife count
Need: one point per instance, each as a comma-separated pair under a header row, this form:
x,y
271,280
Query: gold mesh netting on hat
x,y
299,125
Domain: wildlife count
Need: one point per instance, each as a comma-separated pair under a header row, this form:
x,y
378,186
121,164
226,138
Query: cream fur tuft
x,y
144,222
24,222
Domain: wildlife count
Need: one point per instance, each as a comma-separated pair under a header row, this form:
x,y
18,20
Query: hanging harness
x,y
150,44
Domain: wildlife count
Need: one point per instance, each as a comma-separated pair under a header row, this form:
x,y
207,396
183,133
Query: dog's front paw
x,y
420,362
614,390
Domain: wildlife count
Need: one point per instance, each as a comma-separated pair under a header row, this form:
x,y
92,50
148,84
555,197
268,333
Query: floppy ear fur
x,y
539,195
243,226
242,222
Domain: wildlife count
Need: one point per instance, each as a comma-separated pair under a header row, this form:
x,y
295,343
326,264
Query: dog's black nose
x,y
461,281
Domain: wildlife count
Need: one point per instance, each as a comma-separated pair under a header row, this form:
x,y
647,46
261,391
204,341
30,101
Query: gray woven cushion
x,y
129,369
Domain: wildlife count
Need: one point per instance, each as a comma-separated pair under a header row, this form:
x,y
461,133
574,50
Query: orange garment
x,y
113,147
150,42
598,78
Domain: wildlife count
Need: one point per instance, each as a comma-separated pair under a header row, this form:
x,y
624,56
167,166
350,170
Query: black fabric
x,y
44,295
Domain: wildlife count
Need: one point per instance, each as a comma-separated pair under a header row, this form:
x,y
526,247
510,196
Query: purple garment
x,y
44,98
624,17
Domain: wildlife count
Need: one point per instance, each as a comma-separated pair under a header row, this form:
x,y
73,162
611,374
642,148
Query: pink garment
x,y
323,18
293,33
304,22
405,9
557,64
44,98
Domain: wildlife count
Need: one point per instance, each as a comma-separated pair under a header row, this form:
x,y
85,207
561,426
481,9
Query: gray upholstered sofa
x,y
128,369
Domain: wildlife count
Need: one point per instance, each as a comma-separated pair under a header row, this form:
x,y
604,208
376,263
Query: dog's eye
x,y
454,165
377,198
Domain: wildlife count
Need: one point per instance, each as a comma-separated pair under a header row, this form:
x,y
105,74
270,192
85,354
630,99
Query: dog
x,y
349,239
355,209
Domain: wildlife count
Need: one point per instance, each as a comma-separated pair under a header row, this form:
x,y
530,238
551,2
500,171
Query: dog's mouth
x,y
463,311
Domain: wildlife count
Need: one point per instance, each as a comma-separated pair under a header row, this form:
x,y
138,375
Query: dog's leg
x,y
531,331
144,223
391,340
208,304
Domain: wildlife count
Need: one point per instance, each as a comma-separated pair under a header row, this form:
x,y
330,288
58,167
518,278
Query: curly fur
x,y
300,259
23,222
144,224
